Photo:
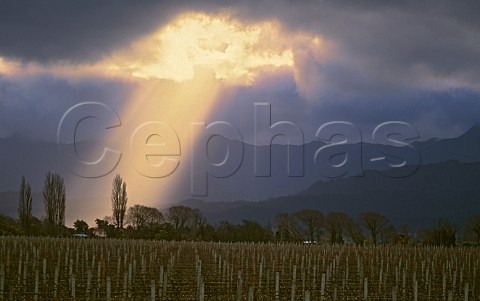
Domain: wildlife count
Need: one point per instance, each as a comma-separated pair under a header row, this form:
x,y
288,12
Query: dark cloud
x,y
407,60
392,43
52,31
31,107
82,31
388,41
434,114
443,35
445,113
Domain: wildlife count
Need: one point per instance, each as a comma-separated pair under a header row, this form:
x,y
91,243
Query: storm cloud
x,y
31,107
408,60
442,36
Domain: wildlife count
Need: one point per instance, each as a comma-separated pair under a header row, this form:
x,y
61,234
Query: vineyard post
x,y
250,293
160,293
152,290
303,280
429,286
70,271
267,284
36,285
294,279
307,296
260,273
239,286
277,286
365,288
129,280
89,281
125,285
44,273
2,280
202,292
73,286
415,290
55,283
444,286
99,270
322,288
199,273
19,267
119,264
165,282
454,281
109,293
380,278
346,271
25,267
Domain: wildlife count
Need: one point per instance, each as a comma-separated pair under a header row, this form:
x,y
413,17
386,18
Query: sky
x,y
377,61
177,62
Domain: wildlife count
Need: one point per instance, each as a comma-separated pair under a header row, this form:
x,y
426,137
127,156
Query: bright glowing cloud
x,y
234,51
194,43
7,67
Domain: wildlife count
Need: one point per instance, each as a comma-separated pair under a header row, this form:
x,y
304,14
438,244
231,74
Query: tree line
x,y
185,223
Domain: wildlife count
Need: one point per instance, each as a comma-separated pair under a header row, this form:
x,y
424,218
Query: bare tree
x,y
199,223
282,224
313,222
140,216
288,228
180,217
25,205
375,224
119,201
442,232
388,233
335,223
355,232
54,199
473,226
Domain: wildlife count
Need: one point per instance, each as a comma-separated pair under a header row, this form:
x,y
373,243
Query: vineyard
x,y
94,269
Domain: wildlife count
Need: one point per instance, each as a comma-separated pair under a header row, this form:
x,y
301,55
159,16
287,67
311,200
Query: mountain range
x,y
441,190
439,179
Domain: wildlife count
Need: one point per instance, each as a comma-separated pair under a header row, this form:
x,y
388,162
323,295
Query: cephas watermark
x,y
155,147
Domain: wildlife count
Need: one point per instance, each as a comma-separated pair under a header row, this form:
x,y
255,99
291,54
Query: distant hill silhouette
x,y
448,189
435,189
465,148
244,185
